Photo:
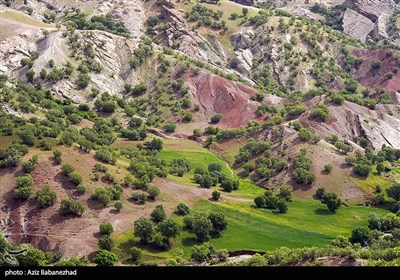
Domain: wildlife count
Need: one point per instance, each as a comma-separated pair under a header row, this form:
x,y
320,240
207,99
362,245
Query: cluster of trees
x,y
179,166
302,166
78,20
11,156
205,16
207,253
214,175
158,230
320,112
106,195
204,226
144,50
271,201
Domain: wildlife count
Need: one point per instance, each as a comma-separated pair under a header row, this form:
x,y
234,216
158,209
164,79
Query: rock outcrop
x,y
356,25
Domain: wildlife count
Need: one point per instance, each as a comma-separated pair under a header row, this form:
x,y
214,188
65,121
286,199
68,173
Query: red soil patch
x,y
217,95
370,77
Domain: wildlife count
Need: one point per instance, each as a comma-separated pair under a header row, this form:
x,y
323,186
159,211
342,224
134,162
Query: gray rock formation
x,y
374,8
356,25
380,27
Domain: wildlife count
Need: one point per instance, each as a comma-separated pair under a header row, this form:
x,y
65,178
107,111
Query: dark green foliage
x,y
285,192
139,197
29,166
103,195
332,201
67,169
46,197
105,258
106,155
153,192
216,195
320,112
154,144
216,118
33,257
394,191
218,222
302,165
106,228
99,22
320,192
360,235
144,229
328,167
152,21
169,228
135,253
71,207
158,214
202,227
202,253
23,187
282,206
106,243
182,209
169,127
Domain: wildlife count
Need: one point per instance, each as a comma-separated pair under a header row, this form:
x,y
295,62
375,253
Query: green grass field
x,y
308,223
24,19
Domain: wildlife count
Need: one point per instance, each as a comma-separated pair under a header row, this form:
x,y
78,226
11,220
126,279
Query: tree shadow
x,y
324,212
97,235
190,241
93,204
114,211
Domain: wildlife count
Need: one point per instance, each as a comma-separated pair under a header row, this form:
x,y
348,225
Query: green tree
x,y
71,207
282,206
106,228
105,258
202,227
152,21
33,257
320,192
182,209
46,197
201,253
394,191
360,235
332,201
216,118
169,228
136,254
153,192
285,192
106,243
245,11
216,195
144,229
118,206
328,167
158,214
218,222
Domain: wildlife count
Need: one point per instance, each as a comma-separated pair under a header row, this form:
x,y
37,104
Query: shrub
x,y
136,253
328,167
182,209
71,207
106,243
216,118
118,206
105,258
282,206
46,197
106,228
139,197
153,192
216,195
158,214
320,112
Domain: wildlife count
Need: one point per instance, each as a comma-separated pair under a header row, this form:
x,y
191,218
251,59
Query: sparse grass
x,y
24,19
368,184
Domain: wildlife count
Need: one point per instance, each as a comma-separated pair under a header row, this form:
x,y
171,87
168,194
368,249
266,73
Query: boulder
x,y
356,25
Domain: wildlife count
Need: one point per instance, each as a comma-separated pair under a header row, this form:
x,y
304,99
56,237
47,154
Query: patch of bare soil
x,y
371,77
217,95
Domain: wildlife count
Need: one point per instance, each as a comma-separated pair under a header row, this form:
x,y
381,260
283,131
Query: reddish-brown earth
x,y
370,77
217,95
